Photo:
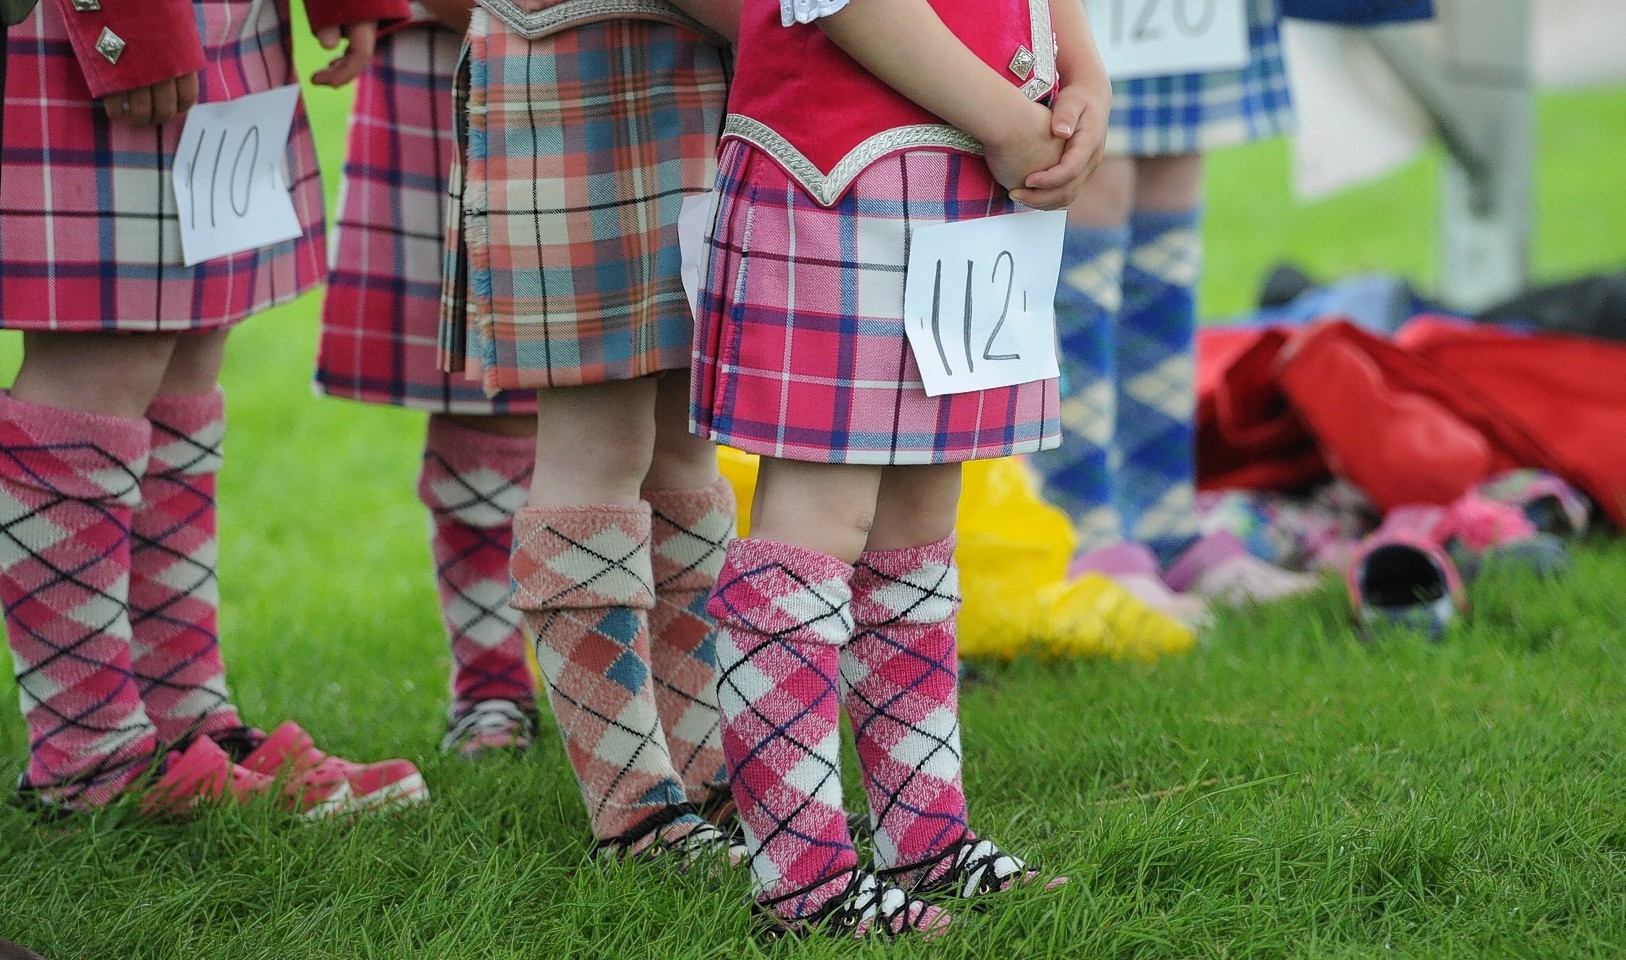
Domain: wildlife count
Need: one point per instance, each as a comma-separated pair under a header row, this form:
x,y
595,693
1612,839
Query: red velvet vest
x,y
557,15
824,118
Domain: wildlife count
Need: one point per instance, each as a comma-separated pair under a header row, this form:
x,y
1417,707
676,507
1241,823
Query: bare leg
x,y
681,461
113,373
594,443
917,505
825,507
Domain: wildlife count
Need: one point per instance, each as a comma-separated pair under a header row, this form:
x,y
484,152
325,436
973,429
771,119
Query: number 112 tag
x,y
979,301
230,189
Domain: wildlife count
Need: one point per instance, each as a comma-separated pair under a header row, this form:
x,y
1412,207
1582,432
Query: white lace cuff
x,y
807,11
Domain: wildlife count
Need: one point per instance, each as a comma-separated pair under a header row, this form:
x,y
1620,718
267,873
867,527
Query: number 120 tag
x,y
979,301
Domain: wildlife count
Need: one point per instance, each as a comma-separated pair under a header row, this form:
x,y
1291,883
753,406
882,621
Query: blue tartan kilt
x,y
1196,112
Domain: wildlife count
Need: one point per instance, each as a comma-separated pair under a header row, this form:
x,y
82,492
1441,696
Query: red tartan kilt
x,y
88,232
800,351
381,315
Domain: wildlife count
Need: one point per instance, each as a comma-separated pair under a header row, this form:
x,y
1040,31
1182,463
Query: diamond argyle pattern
x,y
782,613
68,484
901,676
690,530
582,578
1156,390
174,593
1078,475
473,483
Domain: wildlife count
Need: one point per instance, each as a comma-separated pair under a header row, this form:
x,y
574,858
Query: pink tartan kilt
x,y
88,232
381,315
580,147
800,350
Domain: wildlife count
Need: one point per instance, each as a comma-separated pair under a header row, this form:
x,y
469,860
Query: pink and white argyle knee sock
x,y
68,483
782,614
473,482
174,594
691,529
902,687
582,578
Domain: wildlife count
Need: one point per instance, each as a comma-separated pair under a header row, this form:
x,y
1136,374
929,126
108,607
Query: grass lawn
x,y
1283,791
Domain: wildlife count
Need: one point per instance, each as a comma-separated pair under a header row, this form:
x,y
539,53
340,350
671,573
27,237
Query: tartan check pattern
x,y
1157,393
582,577
68,484
89,235
579,149
902,691
1195,112
800,351
473,483
782,614
381,312
174,593
1078,476
690,529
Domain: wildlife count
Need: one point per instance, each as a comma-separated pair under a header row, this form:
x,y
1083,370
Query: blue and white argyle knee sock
x,y
1078,475
1155,363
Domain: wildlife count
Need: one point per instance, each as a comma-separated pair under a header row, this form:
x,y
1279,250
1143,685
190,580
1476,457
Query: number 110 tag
x,y
979,301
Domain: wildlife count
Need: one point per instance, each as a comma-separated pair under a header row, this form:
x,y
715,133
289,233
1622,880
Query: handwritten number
x,y
1010,284
969,314
214,179
1143,27
937,318
1199,27
192,182
253,159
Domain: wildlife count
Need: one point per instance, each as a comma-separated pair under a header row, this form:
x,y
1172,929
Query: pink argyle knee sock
x,y
68,482
901,676
582,578
782,614
174,595
473,482
691,529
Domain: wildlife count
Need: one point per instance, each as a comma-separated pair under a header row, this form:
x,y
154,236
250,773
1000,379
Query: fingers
x,y
141,107
328,37
116,105
165,102
1067,110
186,92
358,53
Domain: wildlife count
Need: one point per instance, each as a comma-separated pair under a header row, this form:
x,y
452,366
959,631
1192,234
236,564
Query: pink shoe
x,y
1220,569
204,774
1401,577
1133,567
867,906
290,753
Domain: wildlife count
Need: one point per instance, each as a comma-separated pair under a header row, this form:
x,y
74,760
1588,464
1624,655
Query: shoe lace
x,y
977,866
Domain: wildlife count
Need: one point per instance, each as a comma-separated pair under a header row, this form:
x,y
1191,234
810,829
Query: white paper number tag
x,y
979,301
694,222
1158,38
230,187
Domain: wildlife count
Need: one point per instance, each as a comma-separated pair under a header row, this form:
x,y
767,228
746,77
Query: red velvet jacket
x,y
824,118
160,37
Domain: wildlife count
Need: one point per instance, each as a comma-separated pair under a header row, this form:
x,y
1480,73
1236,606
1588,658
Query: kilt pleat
x,y
381,313
89,235
579,149
800,350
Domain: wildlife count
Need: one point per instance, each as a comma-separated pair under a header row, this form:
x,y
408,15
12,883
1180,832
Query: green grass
x,y
1283,791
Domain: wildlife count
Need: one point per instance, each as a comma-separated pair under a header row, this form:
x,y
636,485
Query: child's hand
x,y
357,54
1025,146
155,105
1079,116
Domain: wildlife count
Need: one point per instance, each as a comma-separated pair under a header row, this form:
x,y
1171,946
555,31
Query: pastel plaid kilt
x,y
800,351
580,147
1194,112
89,238
381,315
